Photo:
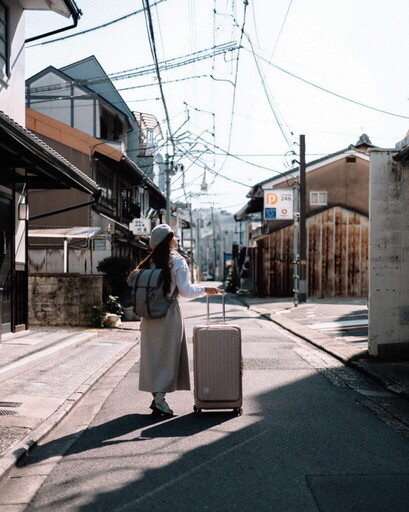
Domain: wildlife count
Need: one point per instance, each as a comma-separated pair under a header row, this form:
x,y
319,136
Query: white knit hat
x,y
158,235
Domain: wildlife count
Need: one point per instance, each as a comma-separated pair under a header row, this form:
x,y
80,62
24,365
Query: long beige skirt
x,y
164,365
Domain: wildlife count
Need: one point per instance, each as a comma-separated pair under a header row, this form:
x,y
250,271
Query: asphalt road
x,y
314,436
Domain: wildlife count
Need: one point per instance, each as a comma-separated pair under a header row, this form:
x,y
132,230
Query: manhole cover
x,y
5,412
10,404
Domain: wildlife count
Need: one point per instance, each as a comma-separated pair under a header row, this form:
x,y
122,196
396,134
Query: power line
x,y
269,96
151,37
242,159
327,90
116,20
235,83
227,153
281,29
144,70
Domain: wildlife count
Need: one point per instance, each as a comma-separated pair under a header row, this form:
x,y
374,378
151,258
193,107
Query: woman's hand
x,y
213,291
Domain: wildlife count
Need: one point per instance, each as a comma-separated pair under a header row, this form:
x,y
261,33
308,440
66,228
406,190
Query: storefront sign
x,y
140,227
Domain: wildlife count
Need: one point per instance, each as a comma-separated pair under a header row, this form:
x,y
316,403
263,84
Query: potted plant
x,y
109,313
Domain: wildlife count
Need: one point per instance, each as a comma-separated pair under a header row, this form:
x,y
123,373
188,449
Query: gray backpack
x,y
147,293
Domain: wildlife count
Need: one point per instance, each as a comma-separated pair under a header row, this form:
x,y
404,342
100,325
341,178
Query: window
x,y
105,183
318,198
4,54
99,244
351,159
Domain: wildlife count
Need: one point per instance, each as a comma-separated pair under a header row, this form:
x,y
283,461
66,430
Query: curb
x,y
27,363
22,446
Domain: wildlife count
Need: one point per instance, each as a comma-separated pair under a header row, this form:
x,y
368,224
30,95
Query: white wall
x,y
12,93
389,253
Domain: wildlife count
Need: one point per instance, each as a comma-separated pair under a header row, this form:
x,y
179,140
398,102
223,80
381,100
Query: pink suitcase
x,y
218,366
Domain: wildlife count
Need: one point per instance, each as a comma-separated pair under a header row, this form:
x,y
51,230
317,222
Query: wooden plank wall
x,y
337,252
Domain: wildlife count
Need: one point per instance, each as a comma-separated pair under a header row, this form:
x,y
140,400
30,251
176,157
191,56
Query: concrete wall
x,y
389,256
63,300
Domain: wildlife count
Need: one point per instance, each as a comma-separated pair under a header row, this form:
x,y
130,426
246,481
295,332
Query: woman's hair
x,y
160,257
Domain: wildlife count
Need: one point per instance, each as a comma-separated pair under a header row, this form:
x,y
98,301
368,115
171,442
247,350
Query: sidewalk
x,y
393,375
45,373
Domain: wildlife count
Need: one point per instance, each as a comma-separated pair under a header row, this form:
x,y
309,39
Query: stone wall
x,y
63,299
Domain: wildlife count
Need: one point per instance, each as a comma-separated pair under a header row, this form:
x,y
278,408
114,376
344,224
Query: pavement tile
x,y
25,418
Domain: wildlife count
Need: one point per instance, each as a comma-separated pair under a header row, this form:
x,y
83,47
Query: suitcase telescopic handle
x,y
223,307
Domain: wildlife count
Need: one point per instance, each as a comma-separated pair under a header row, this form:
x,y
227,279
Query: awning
x,y
26,159
68,233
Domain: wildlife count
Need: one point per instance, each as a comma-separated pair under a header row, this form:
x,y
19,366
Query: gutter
x,y
75,13
402,156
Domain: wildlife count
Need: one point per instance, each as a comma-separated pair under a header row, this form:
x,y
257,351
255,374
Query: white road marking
x,y
340,323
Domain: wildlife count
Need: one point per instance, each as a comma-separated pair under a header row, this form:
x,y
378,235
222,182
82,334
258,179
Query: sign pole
x,y
303,224
296,260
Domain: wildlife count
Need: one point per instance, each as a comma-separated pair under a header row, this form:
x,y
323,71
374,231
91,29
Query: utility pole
x,y
192,244
214,245
168,172
296,260
303,225
198,245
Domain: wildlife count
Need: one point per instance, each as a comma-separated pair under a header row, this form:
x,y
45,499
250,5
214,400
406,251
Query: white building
x,y
25,161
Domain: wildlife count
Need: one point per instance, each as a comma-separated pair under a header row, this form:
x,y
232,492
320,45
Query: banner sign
x,y
278,204
140,227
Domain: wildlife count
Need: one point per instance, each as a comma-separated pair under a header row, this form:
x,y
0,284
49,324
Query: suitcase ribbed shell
x,y
217,366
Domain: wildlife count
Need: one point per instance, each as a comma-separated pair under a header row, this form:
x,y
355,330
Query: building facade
x,y
26,162
126,193
337,192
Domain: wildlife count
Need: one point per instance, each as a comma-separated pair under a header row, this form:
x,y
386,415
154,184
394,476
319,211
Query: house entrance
x,y
6,267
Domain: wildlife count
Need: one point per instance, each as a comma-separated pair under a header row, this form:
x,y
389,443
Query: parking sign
x,y
278,204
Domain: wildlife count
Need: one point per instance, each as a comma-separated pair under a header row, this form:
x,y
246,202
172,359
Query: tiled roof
x,y
48,154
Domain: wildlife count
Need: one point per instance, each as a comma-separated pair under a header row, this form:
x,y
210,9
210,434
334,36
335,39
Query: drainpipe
x,y
75,13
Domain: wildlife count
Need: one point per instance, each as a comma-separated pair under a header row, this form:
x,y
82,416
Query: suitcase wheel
x,y
238,411
197,411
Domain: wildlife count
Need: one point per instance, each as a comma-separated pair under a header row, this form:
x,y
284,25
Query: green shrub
x,y
116,269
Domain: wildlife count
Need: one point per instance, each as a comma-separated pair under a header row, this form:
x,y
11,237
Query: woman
x,y
164,363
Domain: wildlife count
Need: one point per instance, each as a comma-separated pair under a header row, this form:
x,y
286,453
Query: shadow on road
x,y
302,446
107,434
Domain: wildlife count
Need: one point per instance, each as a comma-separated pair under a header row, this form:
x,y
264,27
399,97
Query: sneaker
x,y
160,406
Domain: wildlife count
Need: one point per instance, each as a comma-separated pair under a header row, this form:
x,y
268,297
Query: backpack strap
x,y
174,294
147,293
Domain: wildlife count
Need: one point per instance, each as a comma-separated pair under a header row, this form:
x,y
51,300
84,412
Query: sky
x,y
236,118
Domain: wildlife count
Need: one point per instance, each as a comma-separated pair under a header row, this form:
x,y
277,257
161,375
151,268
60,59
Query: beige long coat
x,y
164,365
